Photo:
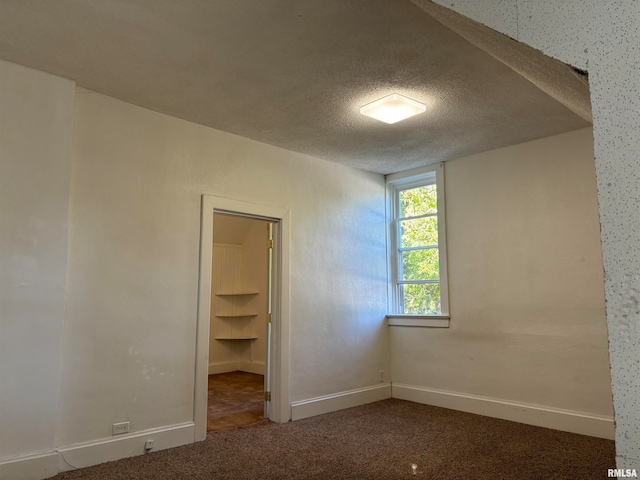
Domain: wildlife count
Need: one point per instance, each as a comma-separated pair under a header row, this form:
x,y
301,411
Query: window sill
x,y
399,320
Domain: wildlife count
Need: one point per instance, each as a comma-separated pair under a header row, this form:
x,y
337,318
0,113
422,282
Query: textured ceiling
x,y
294,73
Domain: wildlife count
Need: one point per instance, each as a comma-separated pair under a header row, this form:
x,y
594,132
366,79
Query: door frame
x,y
280,407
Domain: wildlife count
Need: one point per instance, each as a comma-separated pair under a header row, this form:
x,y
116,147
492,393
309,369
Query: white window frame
x,y
431,174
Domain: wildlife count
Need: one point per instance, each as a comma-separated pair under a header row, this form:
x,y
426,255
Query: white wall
x,y
129,337
525,283
603,37
36,119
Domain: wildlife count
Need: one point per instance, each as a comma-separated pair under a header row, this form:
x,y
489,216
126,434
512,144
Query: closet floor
x,y
236,399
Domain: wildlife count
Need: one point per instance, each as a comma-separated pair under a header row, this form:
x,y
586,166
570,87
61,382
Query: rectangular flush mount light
x,y
392,108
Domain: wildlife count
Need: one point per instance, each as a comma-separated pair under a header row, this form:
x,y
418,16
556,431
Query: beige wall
x,y
130,327
36,119
525,281
103,230
603,37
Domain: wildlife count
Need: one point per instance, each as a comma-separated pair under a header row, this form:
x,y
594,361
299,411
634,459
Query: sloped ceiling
x,y
294,73
231,230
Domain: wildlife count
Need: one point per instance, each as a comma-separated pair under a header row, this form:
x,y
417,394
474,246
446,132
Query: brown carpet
x,y
236,399
376,441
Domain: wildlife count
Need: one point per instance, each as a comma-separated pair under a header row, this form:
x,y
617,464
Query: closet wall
x,y
238,301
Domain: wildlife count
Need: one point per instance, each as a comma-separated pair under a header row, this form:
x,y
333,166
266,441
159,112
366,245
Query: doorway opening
x,y
235,304
241,288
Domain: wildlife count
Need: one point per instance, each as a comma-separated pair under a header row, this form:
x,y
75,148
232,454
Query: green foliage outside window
x,y
418,201
422,299
421,262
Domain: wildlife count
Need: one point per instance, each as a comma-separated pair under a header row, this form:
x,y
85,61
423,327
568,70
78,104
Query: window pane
x,y
420,265
418,201
421,299
419,232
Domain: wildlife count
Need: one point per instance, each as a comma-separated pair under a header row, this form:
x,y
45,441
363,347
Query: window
x,y
417,257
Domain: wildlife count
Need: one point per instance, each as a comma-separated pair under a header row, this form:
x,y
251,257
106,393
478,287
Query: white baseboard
x,y
251,367
339,401
31,467
224,367
123,446
557,419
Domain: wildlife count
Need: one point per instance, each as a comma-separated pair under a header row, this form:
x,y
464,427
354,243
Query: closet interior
x,y
238,329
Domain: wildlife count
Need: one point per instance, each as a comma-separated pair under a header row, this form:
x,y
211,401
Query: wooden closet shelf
x,y
236,338
229,294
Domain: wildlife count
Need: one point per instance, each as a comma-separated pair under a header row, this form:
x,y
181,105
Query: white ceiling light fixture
x,y
393,108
